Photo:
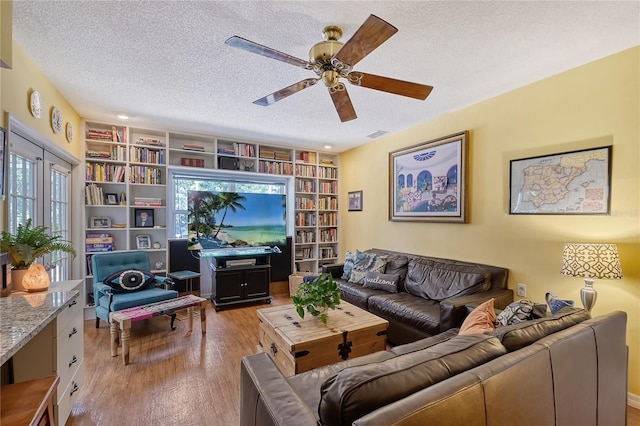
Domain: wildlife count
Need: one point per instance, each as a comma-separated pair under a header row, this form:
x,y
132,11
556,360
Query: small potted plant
x,y
317,296
27,245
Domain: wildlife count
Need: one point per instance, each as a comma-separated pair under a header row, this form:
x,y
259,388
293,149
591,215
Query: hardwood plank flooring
x,y
175,378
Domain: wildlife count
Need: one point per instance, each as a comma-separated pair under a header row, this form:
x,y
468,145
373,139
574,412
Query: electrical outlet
x,y
522,290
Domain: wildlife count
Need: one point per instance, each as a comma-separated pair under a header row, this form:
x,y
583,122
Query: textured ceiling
x,y
166,64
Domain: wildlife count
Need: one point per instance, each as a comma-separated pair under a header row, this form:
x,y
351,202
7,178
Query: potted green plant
x,y
28,244
317,297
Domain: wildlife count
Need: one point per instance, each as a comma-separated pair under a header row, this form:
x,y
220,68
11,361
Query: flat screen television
x,y
235,219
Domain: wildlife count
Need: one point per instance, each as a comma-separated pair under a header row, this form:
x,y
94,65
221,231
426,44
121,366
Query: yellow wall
x,y
593,105
16,85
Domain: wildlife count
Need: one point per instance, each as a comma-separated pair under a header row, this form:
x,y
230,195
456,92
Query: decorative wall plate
x,y
69,132
35,104
56,120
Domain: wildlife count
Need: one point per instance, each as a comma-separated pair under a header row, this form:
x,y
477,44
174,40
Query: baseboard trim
x,y
633,400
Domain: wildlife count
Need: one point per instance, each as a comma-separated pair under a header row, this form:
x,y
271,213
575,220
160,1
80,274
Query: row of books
x,y
304,170
275,168
326,253
97,243
93,195
147,201
303,203
149,141
243,149
192,162
329,187
305,186
328,235
328,219
146,155
113,135
305,237
193,147
305,219
328,172
103,172
304,253
328,203
275,154
145,174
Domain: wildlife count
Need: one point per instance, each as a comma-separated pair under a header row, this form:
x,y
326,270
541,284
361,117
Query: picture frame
x,y
428,181
355,201
111,199
100,222
4,160
143,241
567,183
143,218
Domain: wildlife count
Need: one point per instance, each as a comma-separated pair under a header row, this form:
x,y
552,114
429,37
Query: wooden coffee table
x,y
125,317
297,345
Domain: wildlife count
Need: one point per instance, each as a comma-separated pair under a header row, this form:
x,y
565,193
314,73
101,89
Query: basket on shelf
x,y
295,280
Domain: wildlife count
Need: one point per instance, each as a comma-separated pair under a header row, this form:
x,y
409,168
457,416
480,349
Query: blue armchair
x,y
107,300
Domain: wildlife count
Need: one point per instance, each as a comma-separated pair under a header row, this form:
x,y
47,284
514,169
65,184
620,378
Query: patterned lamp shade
x,y
591,261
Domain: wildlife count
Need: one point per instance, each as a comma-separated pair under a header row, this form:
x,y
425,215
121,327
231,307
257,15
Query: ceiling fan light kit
x,y
332,60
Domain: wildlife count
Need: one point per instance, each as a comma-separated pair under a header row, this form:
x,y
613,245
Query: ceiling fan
x,y
331,60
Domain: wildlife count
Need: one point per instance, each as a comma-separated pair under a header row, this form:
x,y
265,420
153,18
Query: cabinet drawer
x,y
69,396
74,309
69,350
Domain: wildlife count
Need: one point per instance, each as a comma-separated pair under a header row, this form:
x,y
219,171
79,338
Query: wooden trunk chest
x,y
297,345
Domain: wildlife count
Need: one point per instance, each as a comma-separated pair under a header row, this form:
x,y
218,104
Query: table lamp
x,y
591,261
36,278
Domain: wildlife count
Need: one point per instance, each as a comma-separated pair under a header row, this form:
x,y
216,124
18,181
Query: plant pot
x,y
16,279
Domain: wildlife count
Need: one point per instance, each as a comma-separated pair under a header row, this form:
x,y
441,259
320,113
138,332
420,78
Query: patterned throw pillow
x,y
349,260
129,280
386,282
518,311
368,262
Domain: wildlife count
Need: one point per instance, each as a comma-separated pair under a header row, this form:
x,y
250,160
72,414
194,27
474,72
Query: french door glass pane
x,y
22,200
60,261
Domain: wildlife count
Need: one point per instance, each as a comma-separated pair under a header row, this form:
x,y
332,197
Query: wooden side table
x,y
28,403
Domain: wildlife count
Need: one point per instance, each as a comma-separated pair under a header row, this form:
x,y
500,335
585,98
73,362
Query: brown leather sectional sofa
x,y
562,370
411,313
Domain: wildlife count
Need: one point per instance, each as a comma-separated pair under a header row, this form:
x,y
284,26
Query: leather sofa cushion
x,y
522,334
356,391
415,312
425,343
356,294
438,280
397,264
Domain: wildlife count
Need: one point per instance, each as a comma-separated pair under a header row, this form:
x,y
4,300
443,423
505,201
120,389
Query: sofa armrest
x,y
163,282
453,311
335,269
266,398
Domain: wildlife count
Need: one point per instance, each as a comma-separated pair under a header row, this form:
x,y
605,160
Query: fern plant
x,y
30,243
317,297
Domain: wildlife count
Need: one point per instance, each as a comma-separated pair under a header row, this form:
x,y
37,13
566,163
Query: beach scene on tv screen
x,y
235,219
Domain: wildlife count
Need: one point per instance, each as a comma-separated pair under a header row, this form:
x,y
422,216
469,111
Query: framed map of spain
x,y
574,182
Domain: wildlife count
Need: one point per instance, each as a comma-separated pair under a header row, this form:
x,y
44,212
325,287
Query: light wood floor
x,y
174,378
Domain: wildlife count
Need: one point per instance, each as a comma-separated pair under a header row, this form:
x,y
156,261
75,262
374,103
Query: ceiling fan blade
x,y
252,47
390,85
342,102
366,39
283,93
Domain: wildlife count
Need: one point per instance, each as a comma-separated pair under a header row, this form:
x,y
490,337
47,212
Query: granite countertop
x,y
22,317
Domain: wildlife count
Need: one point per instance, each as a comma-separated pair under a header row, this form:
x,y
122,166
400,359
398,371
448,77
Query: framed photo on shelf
x,y
143,218
100,222
143,241
111,199
355,201
575,182
428,181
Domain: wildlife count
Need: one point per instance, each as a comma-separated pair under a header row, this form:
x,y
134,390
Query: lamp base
x,y
588,294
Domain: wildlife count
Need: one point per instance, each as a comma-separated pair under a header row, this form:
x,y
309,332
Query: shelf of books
x,y
125,177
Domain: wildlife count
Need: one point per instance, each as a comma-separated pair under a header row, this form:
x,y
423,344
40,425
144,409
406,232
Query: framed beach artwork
x,y
428,181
